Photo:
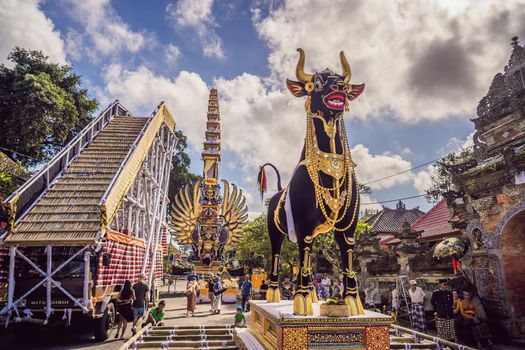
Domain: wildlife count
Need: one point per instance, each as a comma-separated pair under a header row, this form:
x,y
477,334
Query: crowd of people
x,y
457,318
132,302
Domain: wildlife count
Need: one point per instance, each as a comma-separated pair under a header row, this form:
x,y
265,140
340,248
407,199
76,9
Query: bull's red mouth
x,y
335,100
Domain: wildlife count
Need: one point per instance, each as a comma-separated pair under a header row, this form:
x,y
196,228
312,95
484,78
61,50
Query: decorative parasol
x,y
451,247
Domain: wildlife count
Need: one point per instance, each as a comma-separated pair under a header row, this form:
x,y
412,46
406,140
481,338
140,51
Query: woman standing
x,y
472,321
125,307
191,294
217,289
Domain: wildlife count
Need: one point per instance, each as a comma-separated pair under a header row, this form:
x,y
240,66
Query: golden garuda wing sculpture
x,y
185,213
234,212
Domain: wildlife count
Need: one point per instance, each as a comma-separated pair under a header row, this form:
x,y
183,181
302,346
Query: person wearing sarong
x,y
417,296
472,321
443,304
191,295
211,294
217,289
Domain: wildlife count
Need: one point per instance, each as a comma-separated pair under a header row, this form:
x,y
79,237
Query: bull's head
x,y
328,92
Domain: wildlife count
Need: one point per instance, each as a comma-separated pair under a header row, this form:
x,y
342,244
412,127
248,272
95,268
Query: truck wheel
x,y
104,324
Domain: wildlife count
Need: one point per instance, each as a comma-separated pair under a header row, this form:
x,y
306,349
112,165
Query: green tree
x,y
326,246
12,175
42,106
255,243
180,175
441,177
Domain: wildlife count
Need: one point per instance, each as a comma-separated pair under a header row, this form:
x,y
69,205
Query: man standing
x,y
246,293
442,302
263,289
395,298
141,295
417,296
325,285
286,288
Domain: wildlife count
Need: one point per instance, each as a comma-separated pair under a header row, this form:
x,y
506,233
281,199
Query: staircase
x,y
72,203
188,337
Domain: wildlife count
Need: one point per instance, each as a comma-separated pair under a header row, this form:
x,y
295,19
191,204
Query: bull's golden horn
x,y
347,72
299,70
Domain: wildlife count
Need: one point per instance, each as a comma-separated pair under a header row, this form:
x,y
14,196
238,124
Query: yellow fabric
x,y
467,308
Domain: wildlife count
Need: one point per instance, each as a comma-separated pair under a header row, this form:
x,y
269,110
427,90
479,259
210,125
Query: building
x,y
488,198
388,223
401,243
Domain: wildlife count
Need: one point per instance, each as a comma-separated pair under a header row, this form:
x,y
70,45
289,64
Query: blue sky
x,y
425,65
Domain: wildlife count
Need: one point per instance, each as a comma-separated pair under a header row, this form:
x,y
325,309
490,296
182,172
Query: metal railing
x,y
442,342
128,155
29,193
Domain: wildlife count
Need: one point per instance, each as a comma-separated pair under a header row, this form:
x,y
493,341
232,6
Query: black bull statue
x,y
322,195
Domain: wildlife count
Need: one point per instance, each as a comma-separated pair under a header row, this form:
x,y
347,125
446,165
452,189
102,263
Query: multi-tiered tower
x,y
209,247
201,216
211,155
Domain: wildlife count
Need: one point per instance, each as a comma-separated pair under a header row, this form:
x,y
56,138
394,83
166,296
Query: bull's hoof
x,y
354,305
315,299
273,295
360,307
302,304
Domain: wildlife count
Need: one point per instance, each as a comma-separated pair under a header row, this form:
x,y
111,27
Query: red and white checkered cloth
x,y
125,263
164,240
4,264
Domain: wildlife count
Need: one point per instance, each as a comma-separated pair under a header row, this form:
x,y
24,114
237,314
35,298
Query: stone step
x,y
165,332
209,347
224,327
189,337
187,344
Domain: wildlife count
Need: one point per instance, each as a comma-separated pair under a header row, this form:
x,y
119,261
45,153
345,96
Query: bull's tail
x,y
261,179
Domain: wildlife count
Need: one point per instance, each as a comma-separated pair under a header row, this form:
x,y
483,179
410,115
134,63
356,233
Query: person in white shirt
x,y
326,283
417,296
395,298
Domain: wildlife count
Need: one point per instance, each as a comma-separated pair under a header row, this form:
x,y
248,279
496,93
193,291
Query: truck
x,y
90,219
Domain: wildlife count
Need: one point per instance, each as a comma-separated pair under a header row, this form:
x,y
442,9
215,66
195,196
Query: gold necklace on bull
x,y
337,166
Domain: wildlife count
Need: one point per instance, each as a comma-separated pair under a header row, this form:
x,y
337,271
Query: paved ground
x,y
62,339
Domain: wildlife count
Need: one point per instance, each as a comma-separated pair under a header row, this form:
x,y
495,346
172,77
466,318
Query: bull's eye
x,y
345,88
318,85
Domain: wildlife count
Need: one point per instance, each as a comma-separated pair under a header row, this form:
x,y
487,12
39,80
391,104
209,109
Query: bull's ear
x,y
296,88
356,91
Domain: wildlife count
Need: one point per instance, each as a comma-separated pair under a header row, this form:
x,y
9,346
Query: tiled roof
x,y
435,224
389,239
391,220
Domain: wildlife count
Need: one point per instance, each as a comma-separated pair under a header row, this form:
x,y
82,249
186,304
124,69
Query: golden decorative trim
x,y
128,174
295,338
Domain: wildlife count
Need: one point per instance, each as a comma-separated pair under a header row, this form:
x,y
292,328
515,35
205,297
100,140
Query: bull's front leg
x,y
350,285
303,298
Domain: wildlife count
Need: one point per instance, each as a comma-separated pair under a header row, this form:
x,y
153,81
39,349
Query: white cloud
x,y
423,179
23,24
197,15
420,60
373,167
104,31
368,203
141,90
171,54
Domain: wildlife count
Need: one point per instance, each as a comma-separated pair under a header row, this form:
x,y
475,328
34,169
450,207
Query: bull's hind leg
x,y
346,244
303,297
